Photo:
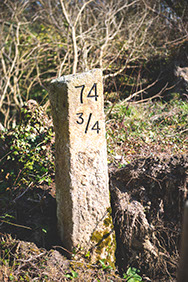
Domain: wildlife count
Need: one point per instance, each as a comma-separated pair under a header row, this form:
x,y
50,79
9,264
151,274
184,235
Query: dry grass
x,y
24,261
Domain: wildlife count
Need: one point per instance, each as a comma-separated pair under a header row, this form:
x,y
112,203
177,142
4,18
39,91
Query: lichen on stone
x,y
104,241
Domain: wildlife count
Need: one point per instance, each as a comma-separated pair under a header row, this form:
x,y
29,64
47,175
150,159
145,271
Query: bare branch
x,y
81,10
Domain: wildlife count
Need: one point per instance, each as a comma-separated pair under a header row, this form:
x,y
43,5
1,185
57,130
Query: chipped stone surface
x,y
82,190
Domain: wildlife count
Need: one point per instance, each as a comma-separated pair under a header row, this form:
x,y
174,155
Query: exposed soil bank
x,y
148,199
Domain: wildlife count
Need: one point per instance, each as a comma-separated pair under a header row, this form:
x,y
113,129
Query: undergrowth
x,y
146,129
23,261
27,159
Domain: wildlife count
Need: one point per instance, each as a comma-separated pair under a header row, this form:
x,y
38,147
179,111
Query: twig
x,y
63,249
142,90
157,95
32,258
175,134
17,177
17,225
23,192
5,155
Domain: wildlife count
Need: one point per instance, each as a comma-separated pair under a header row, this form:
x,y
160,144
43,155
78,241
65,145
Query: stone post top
x,y
67,78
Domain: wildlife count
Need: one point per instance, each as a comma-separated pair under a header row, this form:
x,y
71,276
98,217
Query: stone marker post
x,y
82,191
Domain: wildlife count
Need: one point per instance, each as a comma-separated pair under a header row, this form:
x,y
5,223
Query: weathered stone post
x,y
82,191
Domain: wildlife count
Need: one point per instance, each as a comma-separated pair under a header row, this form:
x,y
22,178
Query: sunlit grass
x,y
142,129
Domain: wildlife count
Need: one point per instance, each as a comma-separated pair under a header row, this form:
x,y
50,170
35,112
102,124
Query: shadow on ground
x,y
32,217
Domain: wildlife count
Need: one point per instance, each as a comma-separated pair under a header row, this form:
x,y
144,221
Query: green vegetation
x,y
132,275
146,129
27,157
133,130
42,40
73,274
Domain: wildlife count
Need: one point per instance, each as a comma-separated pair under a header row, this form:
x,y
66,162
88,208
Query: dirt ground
x,y
147,198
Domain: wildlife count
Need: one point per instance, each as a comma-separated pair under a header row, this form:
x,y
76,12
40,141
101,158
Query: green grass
x,y
142,129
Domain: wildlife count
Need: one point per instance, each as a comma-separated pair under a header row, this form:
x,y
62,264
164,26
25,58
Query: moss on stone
x,y
107,222
96,236
105,240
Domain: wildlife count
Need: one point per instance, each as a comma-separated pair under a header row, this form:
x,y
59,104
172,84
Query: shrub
x,y
27,150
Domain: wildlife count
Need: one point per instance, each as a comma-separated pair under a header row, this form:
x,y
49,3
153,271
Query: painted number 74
x,y
91,94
